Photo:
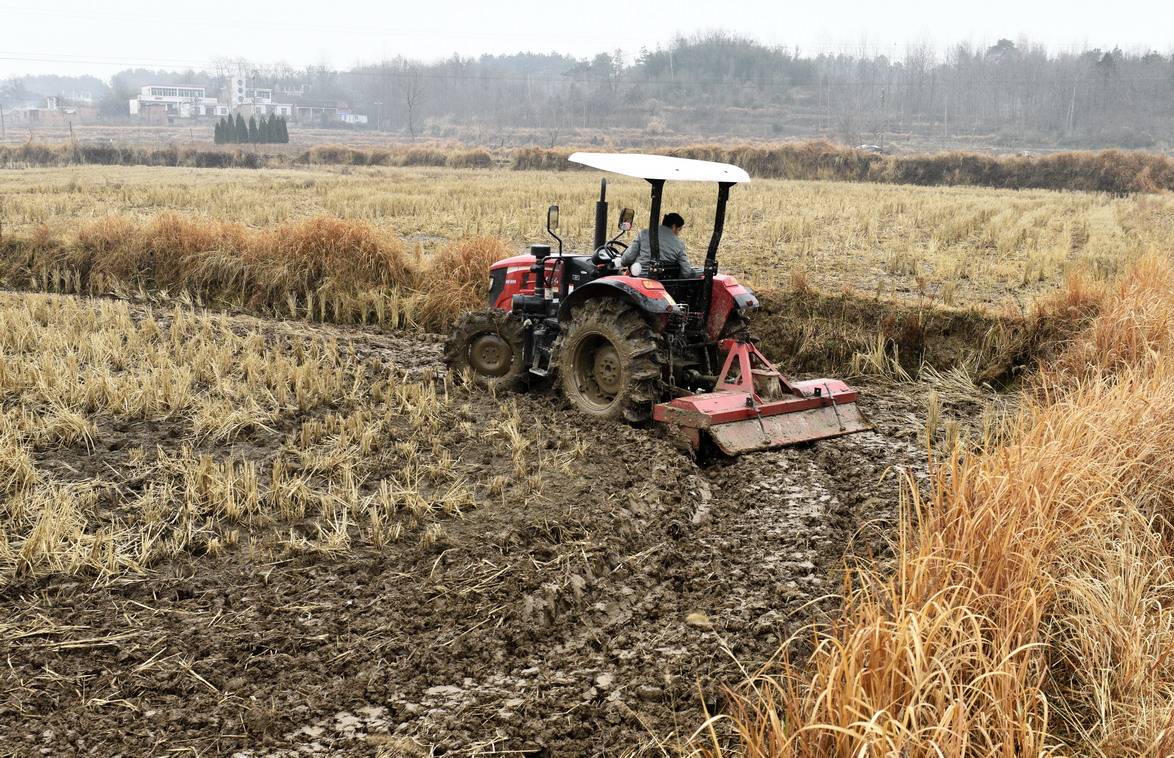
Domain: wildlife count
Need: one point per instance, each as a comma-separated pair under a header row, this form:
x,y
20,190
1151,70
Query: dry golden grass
x,y
957,245
1028,608
1117,171
321,268
127,438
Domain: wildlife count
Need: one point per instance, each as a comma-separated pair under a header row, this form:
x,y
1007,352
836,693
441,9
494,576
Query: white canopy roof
x,y
644,166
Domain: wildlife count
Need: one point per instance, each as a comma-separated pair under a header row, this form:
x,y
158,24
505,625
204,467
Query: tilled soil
x,y
595,618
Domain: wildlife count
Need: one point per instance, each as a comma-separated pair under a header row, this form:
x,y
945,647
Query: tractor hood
x,y
525,260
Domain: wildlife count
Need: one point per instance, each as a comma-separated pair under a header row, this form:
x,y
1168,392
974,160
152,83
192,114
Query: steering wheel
x,y
607,257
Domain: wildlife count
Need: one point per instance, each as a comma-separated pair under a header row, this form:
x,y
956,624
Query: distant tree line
x,y
269,130
1012,92
718,85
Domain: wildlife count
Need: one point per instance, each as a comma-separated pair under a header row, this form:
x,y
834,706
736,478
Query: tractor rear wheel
x,y
489,345
607,360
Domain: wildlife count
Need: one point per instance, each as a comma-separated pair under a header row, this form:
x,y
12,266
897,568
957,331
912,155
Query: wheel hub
x,y
490,354
599,372
607,369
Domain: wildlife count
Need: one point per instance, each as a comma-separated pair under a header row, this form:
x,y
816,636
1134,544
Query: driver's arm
x,y
632,254
684,266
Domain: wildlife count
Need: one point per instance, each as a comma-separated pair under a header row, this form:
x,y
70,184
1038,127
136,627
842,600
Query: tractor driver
x,y
672,250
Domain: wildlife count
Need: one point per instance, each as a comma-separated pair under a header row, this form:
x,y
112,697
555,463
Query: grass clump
x,y
321,267
1026,611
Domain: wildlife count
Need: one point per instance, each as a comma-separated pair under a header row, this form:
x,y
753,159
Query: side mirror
x,y
552,218
627,215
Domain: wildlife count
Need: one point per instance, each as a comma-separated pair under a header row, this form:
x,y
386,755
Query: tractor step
x,y
542,362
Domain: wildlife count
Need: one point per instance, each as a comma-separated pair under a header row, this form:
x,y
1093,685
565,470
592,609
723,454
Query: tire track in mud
x,y
580,622
752,553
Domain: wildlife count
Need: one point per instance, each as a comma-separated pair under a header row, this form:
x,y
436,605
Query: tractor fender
x,y
728,297
648,295
741,295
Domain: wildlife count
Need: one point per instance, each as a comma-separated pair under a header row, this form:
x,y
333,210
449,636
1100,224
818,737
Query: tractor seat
x,y
687,291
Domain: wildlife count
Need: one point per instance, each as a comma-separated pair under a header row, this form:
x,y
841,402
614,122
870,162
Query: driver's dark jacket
x,y
672,254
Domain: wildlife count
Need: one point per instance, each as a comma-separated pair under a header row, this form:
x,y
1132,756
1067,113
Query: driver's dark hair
x,y
673,219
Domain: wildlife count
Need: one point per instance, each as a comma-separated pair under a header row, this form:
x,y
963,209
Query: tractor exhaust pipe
x,y
540,253
601,217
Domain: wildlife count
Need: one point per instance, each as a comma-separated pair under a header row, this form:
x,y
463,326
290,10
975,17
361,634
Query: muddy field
x,y
596,615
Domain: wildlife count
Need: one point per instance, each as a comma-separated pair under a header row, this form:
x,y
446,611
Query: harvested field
x,y
954,246
245,511
240,534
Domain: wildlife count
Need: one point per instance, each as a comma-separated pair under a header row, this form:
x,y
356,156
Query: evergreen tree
x,y
218,132
242,131
267,135
253,134
282,131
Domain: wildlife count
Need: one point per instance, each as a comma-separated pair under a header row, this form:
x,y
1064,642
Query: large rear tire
x,y
490,346
608,363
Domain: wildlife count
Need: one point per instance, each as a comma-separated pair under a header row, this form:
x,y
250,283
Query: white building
x,y
182,101
250,101
160,103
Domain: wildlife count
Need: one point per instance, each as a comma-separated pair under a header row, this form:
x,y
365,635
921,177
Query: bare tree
x,y
413,89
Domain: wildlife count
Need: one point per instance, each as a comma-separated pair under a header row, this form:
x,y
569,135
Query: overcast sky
x,y
78,36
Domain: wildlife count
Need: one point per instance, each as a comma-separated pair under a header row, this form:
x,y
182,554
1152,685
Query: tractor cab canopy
x,y
656,170
662,167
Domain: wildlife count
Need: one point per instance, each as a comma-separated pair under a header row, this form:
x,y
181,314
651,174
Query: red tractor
x,y
635,345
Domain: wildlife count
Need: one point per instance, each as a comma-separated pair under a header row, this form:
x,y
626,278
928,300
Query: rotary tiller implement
x,y
754,407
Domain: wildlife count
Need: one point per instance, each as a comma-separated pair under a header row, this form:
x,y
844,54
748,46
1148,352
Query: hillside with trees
x,y
1012,94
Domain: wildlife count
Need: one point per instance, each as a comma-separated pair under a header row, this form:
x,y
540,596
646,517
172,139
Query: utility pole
x,y
946,117
827,101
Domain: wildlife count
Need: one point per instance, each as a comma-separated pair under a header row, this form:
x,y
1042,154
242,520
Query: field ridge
x,y
1113,171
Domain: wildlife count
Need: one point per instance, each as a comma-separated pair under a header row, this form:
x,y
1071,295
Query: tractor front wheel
x,y
488,345
607,360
